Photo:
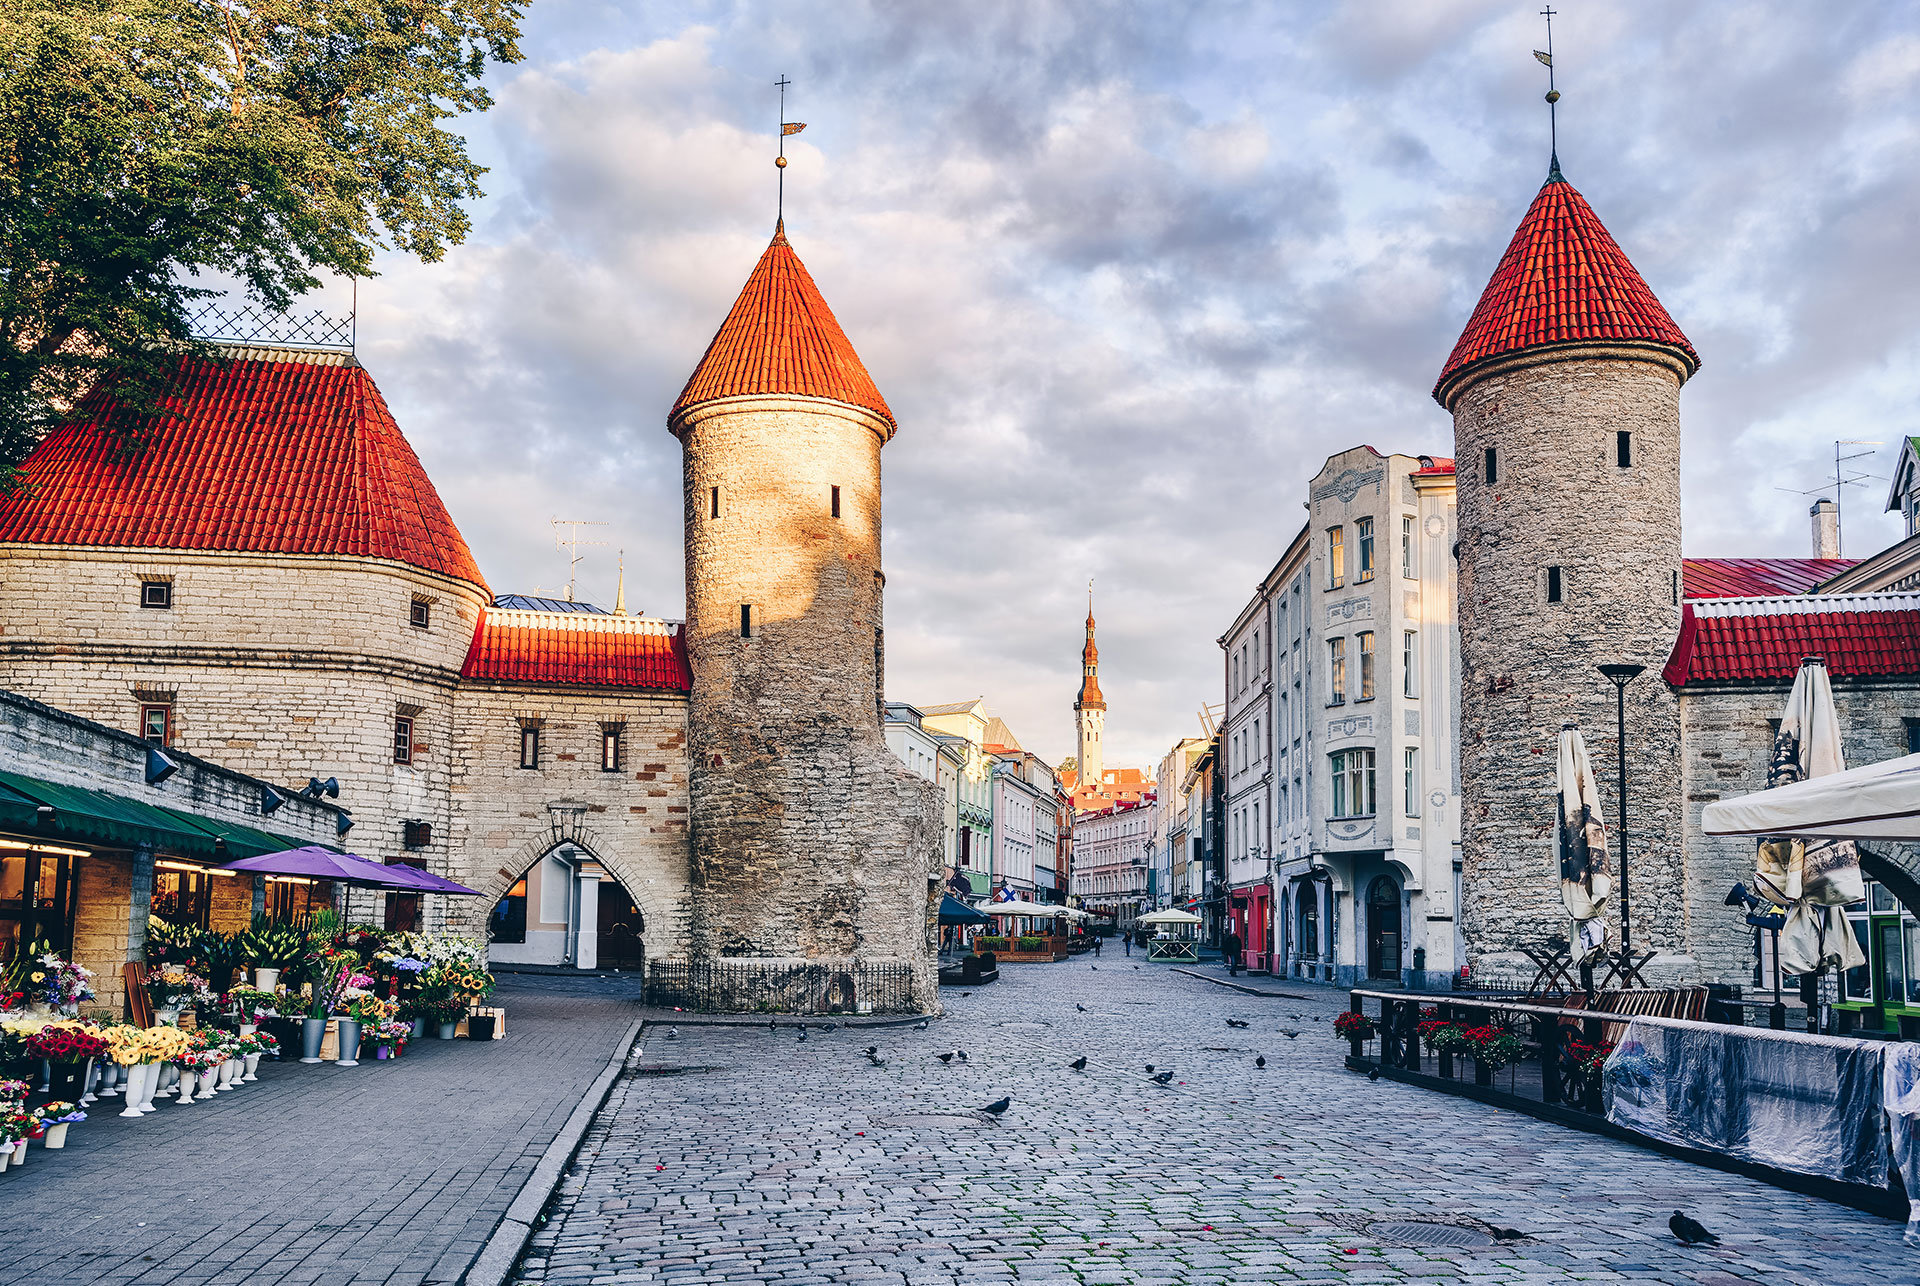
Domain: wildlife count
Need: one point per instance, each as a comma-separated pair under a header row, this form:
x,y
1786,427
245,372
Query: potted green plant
x,y
272,946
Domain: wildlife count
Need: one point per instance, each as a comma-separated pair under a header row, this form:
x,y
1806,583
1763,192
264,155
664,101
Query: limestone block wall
x,y
1560,499
1728,735
283,667
811,841
635,821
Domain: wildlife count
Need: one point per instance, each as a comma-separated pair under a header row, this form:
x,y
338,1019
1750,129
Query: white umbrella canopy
x,y
1584,882
1877,801
1169,916
1031,910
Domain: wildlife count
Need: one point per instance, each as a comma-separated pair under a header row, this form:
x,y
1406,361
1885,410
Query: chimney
x,y
1826,529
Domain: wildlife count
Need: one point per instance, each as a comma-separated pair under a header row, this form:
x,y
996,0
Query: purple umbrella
x,y
317,863
427,882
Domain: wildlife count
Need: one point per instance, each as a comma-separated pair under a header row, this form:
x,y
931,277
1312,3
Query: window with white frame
x,y
1336,557
1352,778
1406,546
1364,530
1336,672
1411,783
1366,665
1409,663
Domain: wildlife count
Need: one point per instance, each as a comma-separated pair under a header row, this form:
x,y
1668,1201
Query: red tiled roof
x,y
1432,465
1756,577
276,451
781,338
1562,280
1756,640
514,646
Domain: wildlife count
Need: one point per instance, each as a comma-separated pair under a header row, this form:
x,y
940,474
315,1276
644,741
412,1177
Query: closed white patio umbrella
x,y
1584,882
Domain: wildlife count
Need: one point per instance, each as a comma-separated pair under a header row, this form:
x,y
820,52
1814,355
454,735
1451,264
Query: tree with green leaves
x,y
144,143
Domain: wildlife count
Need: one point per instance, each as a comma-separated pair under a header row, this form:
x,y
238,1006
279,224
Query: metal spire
x,y
1553,99
787,128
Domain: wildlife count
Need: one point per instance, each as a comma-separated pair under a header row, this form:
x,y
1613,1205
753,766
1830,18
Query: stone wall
x,y
633,821
284,667
1527,665
1728,736
811,842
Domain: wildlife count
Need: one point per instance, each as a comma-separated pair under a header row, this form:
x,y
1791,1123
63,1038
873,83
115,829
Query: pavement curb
x,y
496,1260
671,1019
1251,991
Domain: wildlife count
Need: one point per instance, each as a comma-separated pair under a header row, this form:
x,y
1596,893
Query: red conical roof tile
x,y
781,338
276,451
1563,280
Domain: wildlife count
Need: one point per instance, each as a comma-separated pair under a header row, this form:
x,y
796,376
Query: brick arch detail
x,y
571,828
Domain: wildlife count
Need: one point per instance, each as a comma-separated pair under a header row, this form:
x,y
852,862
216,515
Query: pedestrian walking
x,y
1128,939
1096,944
1230,951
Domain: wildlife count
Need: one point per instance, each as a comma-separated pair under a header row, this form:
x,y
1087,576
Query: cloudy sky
x,y
1128,273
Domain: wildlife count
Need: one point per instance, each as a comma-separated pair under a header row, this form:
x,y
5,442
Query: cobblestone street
x,y
391,1173
768,1159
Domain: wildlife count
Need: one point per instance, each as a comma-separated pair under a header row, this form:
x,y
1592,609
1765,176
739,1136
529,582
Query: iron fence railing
x,y
764,986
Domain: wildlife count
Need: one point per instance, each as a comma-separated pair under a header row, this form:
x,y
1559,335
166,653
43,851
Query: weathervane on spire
x,y
787,128
1553,97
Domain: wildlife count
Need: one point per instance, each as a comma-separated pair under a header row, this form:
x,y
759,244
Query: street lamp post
x,y
1620,675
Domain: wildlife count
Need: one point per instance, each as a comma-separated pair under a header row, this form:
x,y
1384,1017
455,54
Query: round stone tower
x,y
811,843
1565,394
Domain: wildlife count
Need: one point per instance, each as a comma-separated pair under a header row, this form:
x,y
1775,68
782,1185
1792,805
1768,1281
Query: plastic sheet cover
x,y
1809,1104
1902,1096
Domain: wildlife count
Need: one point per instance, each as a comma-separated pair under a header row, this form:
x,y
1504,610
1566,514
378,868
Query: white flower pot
x,y
57,1136
20,1153
137,1078
6,1156
111,1075
188,1083
207,1079
152,1085
266,979
247,1029
253,1062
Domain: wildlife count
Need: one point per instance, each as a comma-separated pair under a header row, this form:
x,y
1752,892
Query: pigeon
x,y
1136,967
921,1025
873,1056
1149,1066
773,1024
1690,1231
1094,967
1373,1073
828,1026
1291,1033
960,1054
995,1109
673,1033
1316,1018
803,1033
947,1057
1079,1064
1260,1061
1082,1008
871,1050
1236,1022
1507,1234
1164,1077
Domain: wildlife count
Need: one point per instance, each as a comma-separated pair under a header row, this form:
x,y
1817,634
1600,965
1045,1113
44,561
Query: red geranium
x,y
65,1044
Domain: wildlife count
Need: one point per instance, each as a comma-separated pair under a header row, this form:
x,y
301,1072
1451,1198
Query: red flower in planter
x,y
65,1045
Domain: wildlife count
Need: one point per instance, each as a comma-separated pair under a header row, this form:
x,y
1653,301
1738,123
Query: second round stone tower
x,y
1565,394
815,854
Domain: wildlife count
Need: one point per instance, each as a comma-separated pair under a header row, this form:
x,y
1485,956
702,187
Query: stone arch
x,y
1896,872
567,826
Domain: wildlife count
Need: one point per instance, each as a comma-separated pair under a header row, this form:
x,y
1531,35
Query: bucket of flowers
x,y
265,1045
248,1004
171,944
69,1047
48,983
390,1037
16,1127
54,1119
274,946
1491,1049
360,1008
1353,1026
173,989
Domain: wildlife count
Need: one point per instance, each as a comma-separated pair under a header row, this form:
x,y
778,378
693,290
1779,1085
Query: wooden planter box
x,y
1032,957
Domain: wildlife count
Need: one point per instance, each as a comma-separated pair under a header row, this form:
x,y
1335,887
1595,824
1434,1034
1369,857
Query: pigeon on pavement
x,y
1149,1066
947,1057
1164,1077
1373,1073
1079,1064
1690,1231
803,1031
1290,1033
921,1025
828,1026
1507,1234
960,1054
995,1109
871,1050
1082,1008
1260,1061
673,1033
1236,1022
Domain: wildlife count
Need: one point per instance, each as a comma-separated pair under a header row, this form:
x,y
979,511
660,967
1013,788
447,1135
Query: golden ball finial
x,y
1553,95
780,162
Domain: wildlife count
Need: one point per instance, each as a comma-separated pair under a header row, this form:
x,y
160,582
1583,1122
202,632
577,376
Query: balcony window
x,y
1352,777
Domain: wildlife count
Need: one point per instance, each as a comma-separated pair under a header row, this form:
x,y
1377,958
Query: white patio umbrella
x,y
1584,882
1810,880
1877,801
1171,915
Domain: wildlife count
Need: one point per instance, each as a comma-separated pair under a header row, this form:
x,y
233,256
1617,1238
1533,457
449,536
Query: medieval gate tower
x,y
811,843
1565,394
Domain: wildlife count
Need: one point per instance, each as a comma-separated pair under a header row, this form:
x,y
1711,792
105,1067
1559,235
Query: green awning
x,y
97,817
18,812
241,841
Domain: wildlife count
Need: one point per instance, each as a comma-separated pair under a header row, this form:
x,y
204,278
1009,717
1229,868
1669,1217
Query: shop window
x,y
509,920
36,897
403,739
156,723
182,895
530,748
156,594
402,912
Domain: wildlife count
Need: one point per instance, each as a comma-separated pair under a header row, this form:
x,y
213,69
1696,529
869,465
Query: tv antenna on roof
x,y
1840,481
571,542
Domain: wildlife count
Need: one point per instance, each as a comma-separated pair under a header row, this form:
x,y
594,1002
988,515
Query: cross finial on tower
x,y
787,128
1553,98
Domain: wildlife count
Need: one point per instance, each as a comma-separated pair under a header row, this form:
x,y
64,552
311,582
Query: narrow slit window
x,y
1553,585
530,748
610,749
402,739
1676,589
1623,448
1492,473
714,503
746,620
836,502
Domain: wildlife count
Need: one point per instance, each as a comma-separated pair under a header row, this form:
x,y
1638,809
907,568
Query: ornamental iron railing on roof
x,y
251,323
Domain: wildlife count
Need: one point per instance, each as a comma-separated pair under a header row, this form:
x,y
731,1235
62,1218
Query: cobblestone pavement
x,y
389,1172
789,1162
